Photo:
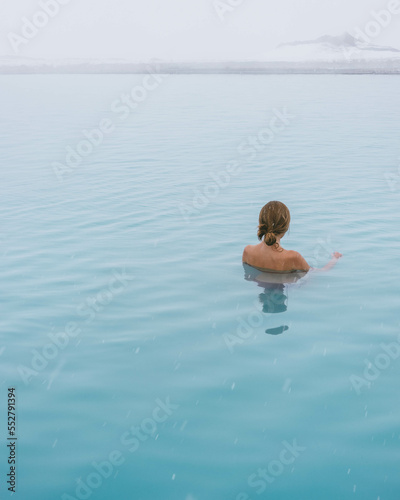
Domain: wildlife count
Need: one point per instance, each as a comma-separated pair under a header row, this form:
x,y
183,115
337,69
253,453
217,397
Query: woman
x,y
274,221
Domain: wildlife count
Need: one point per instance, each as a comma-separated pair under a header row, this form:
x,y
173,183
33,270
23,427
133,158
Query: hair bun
x,y
265,232
270,239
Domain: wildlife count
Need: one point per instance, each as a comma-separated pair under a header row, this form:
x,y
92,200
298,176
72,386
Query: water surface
x,y
140,248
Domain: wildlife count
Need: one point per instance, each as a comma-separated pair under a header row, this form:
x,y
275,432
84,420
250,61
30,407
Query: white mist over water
x,y
140,30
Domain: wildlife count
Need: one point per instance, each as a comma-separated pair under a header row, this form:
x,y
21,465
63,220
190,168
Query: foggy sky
x,y
184,30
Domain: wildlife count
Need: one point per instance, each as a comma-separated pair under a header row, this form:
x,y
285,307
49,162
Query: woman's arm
x,y
335,257
300,263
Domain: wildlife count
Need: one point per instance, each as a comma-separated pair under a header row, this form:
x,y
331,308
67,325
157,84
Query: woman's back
x,y
274,258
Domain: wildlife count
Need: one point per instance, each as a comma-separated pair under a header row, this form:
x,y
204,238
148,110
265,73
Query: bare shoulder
x,y
297,260
247,251
292,254
248,248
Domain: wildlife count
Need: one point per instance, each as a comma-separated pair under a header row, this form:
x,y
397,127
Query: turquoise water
x,y
130,329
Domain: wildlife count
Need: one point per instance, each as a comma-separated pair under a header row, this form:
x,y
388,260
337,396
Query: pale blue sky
x,y
185,29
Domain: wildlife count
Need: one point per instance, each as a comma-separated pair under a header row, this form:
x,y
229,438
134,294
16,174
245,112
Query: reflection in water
x,y
278,330
274,298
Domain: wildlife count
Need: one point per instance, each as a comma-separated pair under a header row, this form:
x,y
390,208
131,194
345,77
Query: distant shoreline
x,y
343,54
247,68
